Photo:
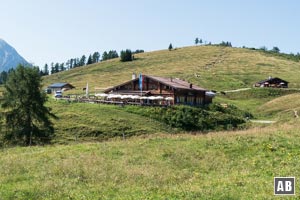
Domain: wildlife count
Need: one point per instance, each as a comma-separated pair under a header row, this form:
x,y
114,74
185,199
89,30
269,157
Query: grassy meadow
x,y
264,103
106,152
212,67
223,165
78,122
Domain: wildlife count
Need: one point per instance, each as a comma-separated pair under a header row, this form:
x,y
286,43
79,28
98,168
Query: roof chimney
x,y
133,76
191,85
171,79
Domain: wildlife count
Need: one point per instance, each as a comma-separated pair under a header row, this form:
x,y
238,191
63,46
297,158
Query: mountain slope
x,y
9,57
212,67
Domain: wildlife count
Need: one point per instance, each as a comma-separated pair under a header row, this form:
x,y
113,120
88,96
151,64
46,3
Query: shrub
x,y
212,117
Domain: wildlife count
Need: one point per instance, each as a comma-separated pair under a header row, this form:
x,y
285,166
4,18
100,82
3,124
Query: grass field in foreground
x,y
228,165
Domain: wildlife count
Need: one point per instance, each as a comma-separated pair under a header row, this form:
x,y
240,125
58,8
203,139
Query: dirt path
x,y
263,121
237,90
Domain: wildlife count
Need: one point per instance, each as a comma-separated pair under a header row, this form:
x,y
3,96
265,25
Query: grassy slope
x,y
229,165
237,165
219,68
263,102
282,107
85,122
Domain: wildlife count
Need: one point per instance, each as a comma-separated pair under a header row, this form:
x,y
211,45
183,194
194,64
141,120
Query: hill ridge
x,y
228,68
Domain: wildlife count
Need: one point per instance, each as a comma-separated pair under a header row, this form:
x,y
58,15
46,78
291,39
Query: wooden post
x,y
296,114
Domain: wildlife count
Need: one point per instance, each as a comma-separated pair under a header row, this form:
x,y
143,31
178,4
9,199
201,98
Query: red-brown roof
x,y
173,82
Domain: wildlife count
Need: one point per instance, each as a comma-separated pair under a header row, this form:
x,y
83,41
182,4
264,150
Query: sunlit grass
x,y
223,165
219,68
79,122
152,162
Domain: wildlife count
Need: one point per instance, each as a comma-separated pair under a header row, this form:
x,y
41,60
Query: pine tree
x,y
90,60
196,41
26,117
126,55
71,63
62,67
112,54
56,67
96,57
46,70
82,60
170,47
76,62
3,77
275,50
104,55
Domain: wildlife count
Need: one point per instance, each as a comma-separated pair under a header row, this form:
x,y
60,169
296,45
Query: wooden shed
x,y
60,87
272,82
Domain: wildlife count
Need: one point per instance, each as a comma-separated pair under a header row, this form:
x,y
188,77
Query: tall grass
x,y
229,165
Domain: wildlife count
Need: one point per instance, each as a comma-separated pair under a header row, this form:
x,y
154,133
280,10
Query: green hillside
x,y
112,152
212,67
229,165
282,107
78,122
266,103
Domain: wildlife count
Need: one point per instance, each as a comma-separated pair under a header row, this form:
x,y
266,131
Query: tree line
x,y
70,64
275,51
125,55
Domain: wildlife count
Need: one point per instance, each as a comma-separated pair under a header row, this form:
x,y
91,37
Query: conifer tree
x,y
90,60
196,41
26,116
170,47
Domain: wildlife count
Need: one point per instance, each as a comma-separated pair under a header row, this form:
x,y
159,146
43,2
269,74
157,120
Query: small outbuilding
x,y
60,87
272,82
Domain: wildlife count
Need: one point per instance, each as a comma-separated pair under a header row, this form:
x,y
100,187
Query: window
x,y
153,87
199,100
190,100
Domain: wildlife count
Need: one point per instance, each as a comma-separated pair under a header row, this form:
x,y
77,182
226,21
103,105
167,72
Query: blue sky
x,y
45,31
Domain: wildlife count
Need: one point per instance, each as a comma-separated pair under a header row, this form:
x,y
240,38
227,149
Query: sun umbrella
x,y
159,97
152,98
117,96
210,94
125,96
135,97
169,98
101,95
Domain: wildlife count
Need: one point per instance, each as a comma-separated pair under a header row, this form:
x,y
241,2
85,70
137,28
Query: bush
x,y
212,117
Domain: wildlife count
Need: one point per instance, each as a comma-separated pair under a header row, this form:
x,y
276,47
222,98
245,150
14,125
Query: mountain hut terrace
x,y
159,90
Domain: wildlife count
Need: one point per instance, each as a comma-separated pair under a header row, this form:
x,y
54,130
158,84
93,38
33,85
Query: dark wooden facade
x,y
181,91
272,82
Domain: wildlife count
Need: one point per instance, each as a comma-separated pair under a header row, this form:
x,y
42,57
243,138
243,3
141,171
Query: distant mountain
x,y
9,57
